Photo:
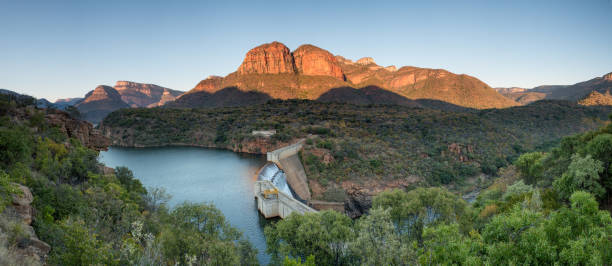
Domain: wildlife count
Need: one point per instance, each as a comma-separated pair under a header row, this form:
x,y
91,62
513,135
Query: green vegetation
x,y
92,216
527,216
368,142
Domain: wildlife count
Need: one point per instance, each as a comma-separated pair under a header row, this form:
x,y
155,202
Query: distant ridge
x,y
591,92
126,94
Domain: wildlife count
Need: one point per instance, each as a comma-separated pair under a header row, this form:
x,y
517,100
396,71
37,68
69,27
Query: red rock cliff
x,y
269,58
314,61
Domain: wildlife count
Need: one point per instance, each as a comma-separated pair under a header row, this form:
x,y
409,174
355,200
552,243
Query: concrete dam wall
x,y
281,182
288,159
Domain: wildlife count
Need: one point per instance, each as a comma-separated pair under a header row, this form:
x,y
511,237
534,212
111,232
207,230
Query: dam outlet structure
x,y
281,187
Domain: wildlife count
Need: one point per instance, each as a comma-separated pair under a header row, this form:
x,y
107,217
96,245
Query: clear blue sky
x,y
57,49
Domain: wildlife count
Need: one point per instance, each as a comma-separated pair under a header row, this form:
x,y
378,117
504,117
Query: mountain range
x,y
273,71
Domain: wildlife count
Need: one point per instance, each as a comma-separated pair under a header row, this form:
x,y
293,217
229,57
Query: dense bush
x,y
406,141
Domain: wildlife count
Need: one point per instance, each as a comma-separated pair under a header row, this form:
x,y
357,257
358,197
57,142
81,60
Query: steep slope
x,y
596,98
105,99
579,90
423,83
100,102
310,72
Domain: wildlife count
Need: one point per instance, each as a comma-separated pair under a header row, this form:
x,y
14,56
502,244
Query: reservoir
x,y
221,177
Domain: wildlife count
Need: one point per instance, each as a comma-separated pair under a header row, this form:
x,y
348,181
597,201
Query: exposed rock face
x,y
314,61
105,99
167,96
426,84
272,71
81,130
596,98
211,84
577,91
100,102
30,248
21,204
366,61
391,68
102,93
144,95
269,58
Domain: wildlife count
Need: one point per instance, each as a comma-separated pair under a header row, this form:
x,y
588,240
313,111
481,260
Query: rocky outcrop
x,y
105,99
310,72
211,84
269,58
314,61
102,93
144,95
359,195
596,98
29,247
578,91
426,84
391,68
100,102
74,128
365,61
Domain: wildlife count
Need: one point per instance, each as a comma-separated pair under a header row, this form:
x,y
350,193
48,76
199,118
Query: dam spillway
x,y
276,176
278,180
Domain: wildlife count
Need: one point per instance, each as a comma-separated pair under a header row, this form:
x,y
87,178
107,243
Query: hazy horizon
x,y
65,49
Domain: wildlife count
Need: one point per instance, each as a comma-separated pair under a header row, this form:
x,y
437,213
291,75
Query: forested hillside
x,y
543,210
60,206
350,147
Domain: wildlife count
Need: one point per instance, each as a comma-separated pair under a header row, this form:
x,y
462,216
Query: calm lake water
x,y
201,175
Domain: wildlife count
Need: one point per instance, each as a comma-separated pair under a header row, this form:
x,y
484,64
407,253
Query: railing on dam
x,y
284,152
274,203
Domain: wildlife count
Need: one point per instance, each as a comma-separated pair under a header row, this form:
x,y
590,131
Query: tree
x,y
325,235
198,233
517,188
414,210
445,245
582,174
378,244
531,167
14,147
76,245
581,233
600,148
516,238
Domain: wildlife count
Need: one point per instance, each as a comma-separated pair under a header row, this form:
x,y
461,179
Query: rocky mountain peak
x,y
391,68
366,61
269,58
210,84
102,92
314,61
608,76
